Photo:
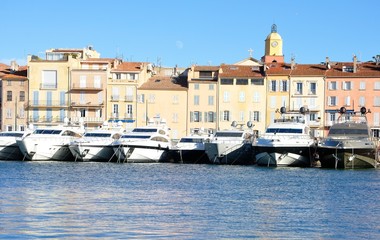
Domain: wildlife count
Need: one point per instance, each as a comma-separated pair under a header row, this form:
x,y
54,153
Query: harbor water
x,y
77,200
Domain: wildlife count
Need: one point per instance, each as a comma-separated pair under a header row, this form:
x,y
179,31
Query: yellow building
x,y
49,84
202,99
164,98
241,91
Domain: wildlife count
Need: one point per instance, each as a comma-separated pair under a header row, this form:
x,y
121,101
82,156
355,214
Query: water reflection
x,y
145,201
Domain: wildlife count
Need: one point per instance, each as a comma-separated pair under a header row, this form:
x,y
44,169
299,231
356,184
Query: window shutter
x,y
191,117
200,116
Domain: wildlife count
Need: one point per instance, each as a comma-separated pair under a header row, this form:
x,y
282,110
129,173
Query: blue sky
x,y
202,32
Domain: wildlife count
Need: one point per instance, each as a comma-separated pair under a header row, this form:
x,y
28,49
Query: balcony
x,y
44,119
80,104
128,98
120,116
86,87
44,86
115,98
88,119
46,104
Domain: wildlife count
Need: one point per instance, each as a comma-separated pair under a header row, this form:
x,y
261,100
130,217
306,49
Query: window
x,y
332,101
347,101
362,86
9,83
257,81
376,101
129,111
196,86
49,79
273,85
347,85
82,81
82,112
205,74
256,97
152,98
313,88
256,116
211,87
118,75
175,117
82,98
225,81
9,113
284,85
361,101
175,99
313,116
97,82
9,95
241,96
211,100
115,94
196,116
226,115
241,116
332,117
210,116
22,96
226,96
241,81
196,100
332,85
377,86
132,76
115,111
299,88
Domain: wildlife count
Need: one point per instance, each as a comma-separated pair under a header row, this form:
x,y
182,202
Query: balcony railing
x,y
88,119
128,98
46,104
48,86
120,116
88,87
86,104
44,119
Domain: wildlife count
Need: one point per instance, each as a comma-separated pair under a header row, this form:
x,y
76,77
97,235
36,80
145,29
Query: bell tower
x,y
273,47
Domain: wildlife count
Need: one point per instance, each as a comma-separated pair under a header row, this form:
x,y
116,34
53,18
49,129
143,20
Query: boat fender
x,y
363,110
342,110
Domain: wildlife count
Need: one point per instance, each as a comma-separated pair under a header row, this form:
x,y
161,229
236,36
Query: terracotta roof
x,y
240,71
364,69
129,66
165,83
20,74
308,70
206,68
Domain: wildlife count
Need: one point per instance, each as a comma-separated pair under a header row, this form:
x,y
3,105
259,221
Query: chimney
x,y
328,66
355,64
14,66
292,63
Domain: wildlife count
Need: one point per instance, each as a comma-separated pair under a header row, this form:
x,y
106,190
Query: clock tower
x,y
273,47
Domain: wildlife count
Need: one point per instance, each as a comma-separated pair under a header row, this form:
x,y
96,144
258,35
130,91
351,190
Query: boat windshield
x,y
135,136
102,135
47,131
11,134
144,130
191,140
228,134
284,130
348,131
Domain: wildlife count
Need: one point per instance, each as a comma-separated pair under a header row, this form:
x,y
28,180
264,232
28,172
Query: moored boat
x,y
50,143
146,144
233,146
9,149
349,144
96,145
287,141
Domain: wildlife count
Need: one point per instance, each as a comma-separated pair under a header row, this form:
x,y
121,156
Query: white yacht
x,y
349,143
9,149
50,143
191,148
146,144
96,145
287,141
232,146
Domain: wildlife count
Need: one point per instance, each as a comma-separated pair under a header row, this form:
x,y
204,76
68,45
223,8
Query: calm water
x,y
173,201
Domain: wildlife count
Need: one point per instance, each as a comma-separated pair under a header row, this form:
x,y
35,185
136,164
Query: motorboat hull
x,y
347,157
230,153
34,150
10,152
92,152
141,153
284,156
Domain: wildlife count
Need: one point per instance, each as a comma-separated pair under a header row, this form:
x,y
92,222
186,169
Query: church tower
x,y
273,47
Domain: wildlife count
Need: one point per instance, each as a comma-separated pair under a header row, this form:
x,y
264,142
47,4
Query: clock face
x,y
274,44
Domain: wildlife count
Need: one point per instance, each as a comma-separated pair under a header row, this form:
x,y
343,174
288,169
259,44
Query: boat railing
x,y
287,136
